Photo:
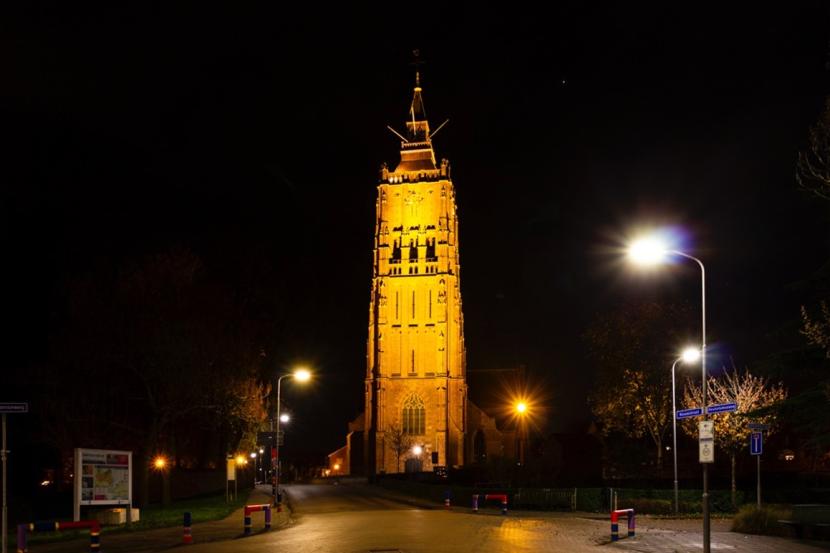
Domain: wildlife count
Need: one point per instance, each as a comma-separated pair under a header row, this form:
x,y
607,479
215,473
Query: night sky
x,y
254,137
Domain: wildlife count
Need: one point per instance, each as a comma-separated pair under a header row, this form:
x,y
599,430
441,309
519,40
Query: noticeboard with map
x,y
105,477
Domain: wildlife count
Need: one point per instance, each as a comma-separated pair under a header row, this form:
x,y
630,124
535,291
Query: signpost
x,y
721,408
7,408
756,448
688,413
706,441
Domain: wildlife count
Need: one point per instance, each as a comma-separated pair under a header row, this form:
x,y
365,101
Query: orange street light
x,y
160,462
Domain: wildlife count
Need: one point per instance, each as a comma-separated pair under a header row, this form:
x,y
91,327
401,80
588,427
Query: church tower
x,y
416,393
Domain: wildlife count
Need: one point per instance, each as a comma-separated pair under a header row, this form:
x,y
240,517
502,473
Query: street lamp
x,y
689,356
285,417
651,251
521,410
300,375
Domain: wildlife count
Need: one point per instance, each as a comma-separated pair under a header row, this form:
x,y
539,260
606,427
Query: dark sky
x,y
254,137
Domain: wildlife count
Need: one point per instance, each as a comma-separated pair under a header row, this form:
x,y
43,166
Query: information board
x,y
102,477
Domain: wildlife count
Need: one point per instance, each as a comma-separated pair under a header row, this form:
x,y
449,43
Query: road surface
x,y
357,518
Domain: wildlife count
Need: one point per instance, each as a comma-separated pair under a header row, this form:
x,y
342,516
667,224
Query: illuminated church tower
x,y
415,379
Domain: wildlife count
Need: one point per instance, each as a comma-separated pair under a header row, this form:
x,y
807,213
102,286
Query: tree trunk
x,y
659,442
734,492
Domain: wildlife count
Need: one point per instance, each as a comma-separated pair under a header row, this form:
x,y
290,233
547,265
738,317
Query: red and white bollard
x,y
475,503
188,529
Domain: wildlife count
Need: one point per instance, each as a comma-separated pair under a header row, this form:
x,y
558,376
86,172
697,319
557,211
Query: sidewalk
x,y
158,539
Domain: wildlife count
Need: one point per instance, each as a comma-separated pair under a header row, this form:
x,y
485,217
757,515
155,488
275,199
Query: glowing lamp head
x,y
285,417
253,455
521,407
336,466
690,355
241,460
647,251
302,375
160,462
261,451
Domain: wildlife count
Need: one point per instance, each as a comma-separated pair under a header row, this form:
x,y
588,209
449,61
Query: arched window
x,y
414,417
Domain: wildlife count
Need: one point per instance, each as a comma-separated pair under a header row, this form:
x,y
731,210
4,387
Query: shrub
x,y
751,520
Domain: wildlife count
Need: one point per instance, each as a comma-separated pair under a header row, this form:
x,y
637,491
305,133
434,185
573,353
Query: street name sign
x,y
721,408
756,443
19,407
688,413
706,441
757,426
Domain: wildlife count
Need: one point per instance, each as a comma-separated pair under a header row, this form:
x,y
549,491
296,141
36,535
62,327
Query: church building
x,y
416,408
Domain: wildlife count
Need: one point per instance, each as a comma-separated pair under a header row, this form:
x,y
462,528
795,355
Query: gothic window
x,y
397,302
414,416
413,251
413,304
396,252
430,304
412,364
431,250
479,447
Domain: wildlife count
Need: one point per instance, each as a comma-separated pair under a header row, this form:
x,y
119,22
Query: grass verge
x,y
751,520
203,509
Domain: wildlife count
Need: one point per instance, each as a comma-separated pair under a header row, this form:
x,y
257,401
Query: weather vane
x,y
417,62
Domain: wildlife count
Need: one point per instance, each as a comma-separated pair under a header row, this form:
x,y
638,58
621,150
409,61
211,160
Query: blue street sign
x,y
688,413
21,407
721,408
756,443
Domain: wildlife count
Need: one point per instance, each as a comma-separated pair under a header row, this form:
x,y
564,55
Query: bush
x,y
751,520
649,506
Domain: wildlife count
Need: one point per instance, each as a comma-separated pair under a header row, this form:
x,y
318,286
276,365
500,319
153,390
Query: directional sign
x,y
757,426
721,408
688,413
20,407
756,443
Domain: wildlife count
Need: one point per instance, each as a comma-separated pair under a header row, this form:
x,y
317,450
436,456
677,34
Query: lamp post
x,y
690,355
521,410
299,375
652,251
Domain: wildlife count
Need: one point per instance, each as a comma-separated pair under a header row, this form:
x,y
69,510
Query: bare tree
x,y
399,442
813,165
751,393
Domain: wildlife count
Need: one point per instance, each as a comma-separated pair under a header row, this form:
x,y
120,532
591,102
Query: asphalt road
x,y
357,518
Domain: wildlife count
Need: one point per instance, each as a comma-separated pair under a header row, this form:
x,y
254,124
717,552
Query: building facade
x,y
416,392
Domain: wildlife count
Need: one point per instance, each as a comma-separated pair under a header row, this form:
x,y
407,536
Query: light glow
x,y
253,455
285,417
417,450
690,355
302,375
521,407
648,251
241,460
336,466
160,462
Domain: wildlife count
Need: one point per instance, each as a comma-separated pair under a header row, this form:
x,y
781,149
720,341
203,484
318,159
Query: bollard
x,y
268,519
21,538
188,533
615,526
247,523
475,503
504,506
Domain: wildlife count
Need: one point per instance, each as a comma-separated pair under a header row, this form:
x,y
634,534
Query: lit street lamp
x,y
689,356
521,410
653,251
301,376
